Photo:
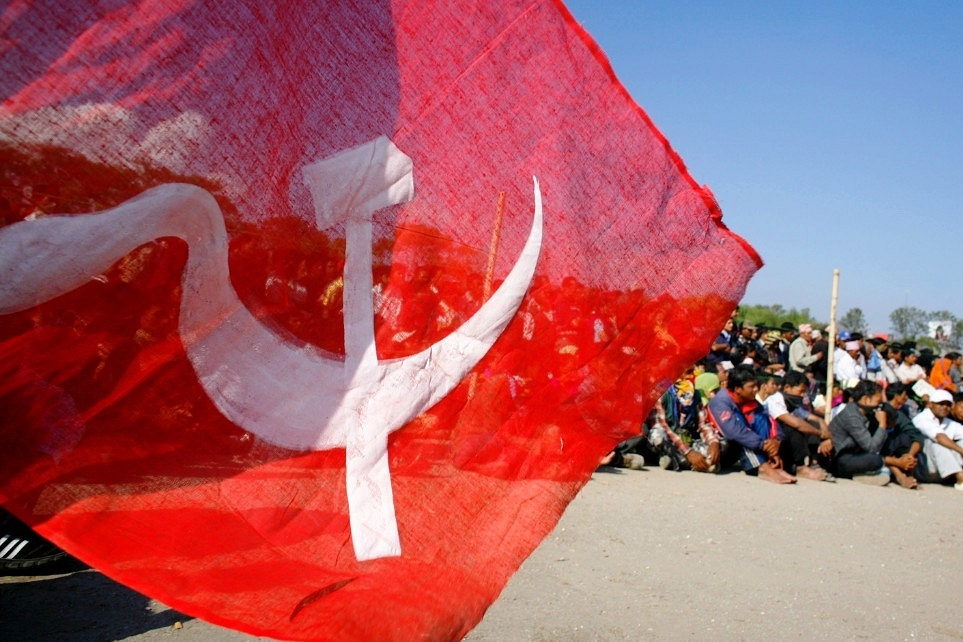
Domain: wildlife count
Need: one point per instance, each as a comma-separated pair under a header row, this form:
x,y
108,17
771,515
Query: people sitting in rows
x,y
737,412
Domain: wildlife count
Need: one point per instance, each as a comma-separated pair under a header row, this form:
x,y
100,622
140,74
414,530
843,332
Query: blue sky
x,y
830,132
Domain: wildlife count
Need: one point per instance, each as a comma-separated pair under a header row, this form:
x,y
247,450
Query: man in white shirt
x,y
804,434
944,440
846,367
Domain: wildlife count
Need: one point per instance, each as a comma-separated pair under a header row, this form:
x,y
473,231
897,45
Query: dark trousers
x,y
850,463
795,447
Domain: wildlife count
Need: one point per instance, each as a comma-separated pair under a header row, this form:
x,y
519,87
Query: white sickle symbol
x,y
289,395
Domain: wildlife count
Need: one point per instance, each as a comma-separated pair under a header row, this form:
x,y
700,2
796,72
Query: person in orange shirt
x,y
942,374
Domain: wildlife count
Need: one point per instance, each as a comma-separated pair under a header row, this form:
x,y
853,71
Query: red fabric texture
x,y
113,450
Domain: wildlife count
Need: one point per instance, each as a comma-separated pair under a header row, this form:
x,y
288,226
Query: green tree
x,y
775,315
854,321
908,322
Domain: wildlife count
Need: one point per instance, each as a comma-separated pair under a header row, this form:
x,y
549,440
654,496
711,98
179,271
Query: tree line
x,y
906,323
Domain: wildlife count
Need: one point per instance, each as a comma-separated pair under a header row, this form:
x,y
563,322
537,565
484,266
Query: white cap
x,y
941,396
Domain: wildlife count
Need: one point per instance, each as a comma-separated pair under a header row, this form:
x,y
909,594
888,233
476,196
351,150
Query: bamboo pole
x,y
832,349
489,273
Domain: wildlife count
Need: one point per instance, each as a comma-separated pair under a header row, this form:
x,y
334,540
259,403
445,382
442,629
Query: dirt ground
x,y
647,555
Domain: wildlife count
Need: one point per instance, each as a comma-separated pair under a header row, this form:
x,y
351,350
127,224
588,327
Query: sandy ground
x,y
648,555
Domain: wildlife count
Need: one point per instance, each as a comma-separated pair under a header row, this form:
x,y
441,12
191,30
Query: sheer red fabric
x,y
306,265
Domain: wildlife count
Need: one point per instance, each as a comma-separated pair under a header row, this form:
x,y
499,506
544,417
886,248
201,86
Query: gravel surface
x,y
646,555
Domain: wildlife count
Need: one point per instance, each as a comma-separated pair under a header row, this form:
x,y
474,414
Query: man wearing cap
x,y
944,440
909,372
846,366
800,350
746,335
786,333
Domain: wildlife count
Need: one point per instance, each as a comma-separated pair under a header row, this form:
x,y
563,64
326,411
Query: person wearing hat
x,y
787,331
846,364
707,384
909,372
679,433
944,440
747,334
800,350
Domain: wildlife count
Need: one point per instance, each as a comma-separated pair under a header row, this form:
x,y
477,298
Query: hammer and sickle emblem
x,y
289,395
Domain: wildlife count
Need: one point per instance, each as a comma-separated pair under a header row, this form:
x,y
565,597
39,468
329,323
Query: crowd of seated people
x,y
758,402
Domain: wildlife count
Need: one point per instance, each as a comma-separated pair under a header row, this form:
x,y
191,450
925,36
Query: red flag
x,y
349,301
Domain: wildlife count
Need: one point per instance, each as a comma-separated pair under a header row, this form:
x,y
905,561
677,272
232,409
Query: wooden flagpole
x,y
832,349
489,273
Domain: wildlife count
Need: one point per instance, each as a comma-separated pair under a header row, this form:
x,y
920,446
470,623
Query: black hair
x,y
793,378
765,377
865,389
894,389
740,376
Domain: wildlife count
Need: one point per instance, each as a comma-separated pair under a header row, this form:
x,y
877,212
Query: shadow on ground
x,y
67,600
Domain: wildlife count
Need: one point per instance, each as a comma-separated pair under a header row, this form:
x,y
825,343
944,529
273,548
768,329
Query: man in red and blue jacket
x,y
749,429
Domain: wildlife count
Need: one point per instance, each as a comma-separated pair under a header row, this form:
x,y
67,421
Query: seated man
x,y
747,427
858,433
805,435
944,440
956,410
846,368
903,447
898,396
679,432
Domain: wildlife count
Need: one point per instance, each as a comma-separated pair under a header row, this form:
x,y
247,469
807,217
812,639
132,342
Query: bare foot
x,y
807,472
904,480
775,475
607,459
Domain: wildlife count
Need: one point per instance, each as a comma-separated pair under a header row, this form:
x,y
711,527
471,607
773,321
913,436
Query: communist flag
x,y
314,316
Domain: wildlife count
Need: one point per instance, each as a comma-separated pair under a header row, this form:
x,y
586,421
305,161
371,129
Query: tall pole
x,y
832,349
